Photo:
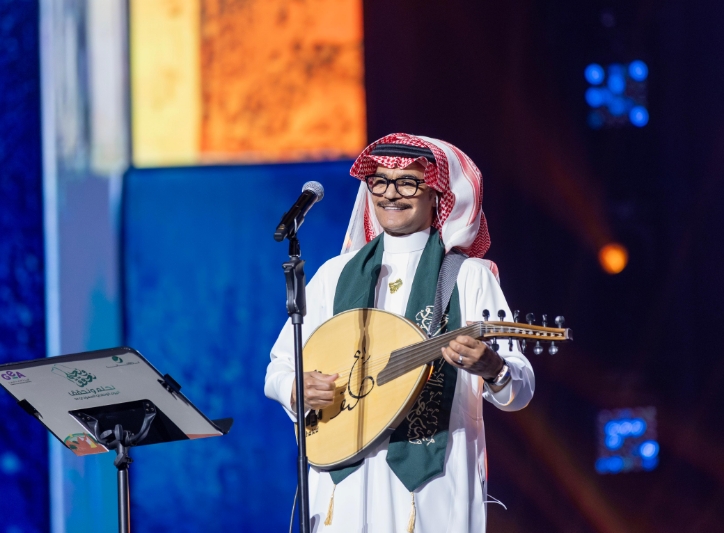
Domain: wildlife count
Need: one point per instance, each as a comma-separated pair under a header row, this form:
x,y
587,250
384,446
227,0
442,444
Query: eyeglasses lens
x,y
405,187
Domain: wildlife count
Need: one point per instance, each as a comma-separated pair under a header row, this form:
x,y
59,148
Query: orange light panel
x,y
282,80
216,81
613,258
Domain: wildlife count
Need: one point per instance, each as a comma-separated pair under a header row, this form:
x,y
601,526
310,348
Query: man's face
x,y
402,216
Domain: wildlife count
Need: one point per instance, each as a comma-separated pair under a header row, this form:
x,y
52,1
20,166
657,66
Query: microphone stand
x,y
297,308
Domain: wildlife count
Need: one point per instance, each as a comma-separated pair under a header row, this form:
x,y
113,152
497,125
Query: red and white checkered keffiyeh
x,y
460,218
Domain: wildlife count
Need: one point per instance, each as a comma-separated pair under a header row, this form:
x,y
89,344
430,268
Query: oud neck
x,y
411,357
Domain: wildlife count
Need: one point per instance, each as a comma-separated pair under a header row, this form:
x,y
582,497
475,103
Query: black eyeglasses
x,y
405,186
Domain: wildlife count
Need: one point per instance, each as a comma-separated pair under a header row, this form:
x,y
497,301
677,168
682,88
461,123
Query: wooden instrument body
x,y
357,345
383,361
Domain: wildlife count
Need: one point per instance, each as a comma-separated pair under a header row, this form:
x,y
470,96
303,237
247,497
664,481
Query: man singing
x,y
419,199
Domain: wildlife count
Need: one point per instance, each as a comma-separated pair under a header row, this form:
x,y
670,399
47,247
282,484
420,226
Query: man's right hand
x,y
318,391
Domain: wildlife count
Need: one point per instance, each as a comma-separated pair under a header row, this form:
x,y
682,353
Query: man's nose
x,y
391,192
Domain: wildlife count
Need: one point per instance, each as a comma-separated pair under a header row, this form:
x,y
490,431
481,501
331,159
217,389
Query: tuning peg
x,y
486,314
553,349
501,314
544,320
495,346
560,321
516,314
530,318
537,349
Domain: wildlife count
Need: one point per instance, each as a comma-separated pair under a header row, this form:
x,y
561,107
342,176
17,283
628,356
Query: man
x,y
419,199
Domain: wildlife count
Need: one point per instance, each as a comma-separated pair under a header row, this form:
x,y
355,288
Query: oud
x,y
383,361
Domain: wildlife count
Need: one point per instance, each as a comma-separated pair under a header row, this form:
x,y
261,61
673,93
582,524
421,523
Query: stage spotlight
x,y
594,74
627,440
596,97
638,116
638,70
616,79
621,99
613,258
649,449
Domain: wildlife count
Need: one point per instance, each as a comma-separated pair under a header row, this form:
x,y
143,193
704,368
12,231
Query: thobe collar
x,y
406,244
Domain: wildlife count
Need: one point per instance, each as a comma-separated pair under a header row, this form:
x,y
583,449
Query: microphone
x,y
292,220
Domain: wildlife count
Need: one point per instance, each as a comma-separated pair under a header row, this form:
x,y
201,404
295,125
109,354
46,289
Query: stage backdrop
x,y
23,441
204,301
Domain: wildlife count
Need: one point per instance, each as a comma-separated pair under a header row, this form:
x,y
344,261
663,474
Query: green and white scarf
x,y
416,452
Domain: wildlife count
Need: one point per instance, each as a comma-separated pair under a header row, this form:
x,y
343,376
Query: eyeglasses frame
x,y
417,181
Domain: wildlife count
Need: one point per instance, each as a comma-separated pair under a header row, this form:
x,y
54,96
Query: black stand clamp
x,y
121,441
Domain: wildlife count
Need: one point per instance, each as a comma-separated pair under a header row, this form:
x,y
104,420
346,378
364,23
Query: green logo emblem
x,y
79,377
117,359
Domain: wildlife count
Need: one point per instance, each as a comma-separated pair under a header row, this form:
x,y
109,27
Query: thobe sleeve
x,y
280,372
481,290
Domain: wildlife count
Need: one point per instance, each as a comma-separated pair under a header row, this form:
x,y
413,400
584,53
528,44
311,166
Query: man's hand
x,y
318,391
474,356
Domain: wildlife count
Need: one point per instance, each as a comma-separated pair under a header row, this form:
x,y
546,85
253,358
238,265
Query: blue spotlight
x,y
615,464
616,83
618,93
638,427
613,442
596,97
638,70
594,74
627,440
639,116
649,449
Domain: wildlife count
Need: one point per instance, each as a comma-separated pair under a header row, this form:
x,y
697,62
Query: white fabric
x,y
372,499
462,225
399,262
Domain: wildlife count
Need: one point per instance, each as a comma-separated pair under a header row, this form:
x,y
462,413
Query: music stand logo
x,y
15,378
74,375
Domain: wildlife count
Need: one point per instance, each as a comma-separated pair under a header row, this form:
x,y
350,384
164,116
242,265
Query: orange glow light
x,y
613,258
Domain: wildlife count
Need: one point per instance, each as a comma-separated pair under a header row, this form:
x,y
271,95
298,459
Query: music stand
x,y
105,400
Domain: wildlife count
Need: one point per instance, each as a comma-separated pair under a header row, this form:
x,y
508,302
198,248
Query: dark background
x,y
504,82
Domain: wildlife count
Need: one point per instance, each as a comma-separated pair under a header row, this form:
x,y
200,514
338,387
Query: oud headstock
x,y
524,333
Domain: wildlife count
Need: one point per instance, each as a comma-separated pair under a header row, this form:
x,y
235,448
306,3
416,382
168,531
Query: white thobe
x,y
372,499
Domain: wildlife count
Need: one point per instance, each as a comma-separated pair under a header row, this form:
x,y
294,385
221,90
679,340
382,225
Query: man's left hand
x,y
474,356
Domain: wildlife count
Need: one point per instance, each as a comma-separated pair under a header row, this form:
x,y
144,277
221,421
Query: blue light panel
x,y
627,440
617,94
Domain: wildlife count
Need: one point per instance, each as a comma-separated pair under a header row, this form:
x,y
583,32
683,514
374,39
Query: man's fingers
x,y
320,395
463,349
450,356
468,341
320,384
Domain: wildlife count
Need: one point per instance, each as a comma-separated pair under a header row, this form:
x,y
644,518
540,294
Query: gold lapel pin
x,y
395,285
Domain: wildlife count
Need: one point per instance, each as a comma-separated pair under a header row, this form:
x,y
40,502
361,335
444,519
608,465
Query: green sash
x,y
416,452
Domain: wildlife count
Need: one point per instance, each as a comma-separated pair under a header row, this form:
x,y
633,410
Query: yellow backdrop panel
x,y
220,81
165,82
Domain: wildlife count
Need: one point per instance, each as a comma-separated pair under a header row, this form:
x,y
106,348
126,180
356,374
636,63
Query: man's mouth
x,y
393,207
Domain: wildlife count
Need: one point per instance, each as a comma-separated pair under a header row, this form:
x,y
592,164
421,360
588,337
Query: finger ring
x,y
460,361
